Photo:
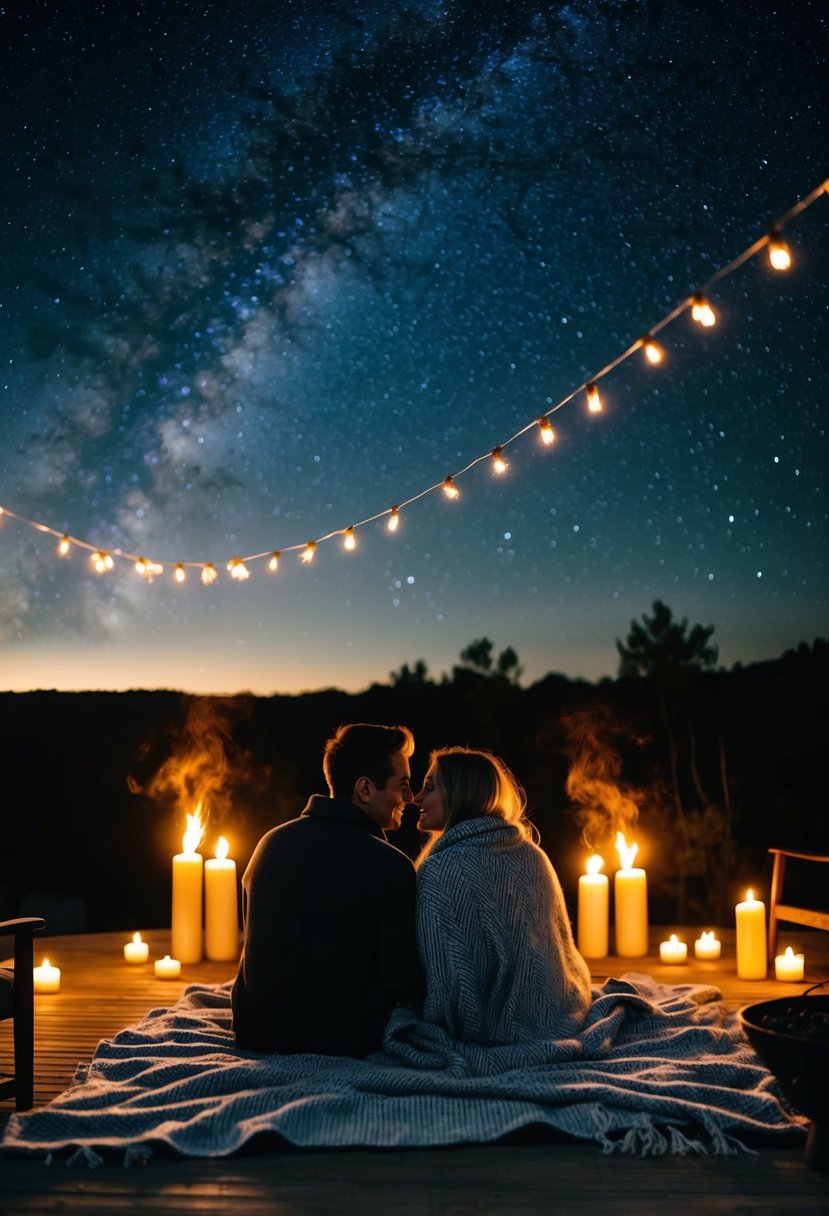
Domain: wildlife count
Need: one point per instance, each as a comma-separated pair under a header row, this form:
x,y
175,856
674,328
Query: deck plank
x,y
100,994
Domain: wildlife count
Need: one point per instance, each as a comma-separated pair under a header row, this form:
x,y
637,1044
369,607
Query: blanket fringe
x,y
84,1155
644,1139
723,1144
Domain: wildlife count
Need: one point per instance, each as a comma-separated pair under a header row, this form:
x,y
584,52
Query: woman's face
x,y
430,800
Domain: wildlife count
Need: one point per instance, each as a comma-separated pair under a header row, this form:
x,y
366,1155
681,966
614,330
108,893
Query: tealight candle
x,y
673,950
593,910
136,951
751,939
167,968
46,978
789,966
707,945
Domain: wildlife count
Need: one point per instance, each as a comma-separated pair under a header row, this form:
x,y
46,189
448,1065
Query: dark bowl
x,y
791,1036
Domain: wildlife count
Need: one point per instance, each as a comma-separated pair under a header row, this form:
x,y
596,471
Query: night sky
x,y
270,269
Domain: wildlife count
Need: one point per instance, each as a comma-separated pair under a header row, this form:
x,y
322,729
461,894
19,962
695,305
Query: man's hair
x,y
363,750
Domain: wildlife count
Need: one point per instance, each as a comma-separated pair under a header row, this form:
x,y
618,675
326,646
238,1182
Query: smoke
x,y
604,805
204,765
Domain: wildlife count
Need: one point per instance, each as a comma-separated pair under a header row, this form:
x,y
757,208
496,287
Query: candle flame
x,y
749,895
790,955
222,848
45,963
627,852
707,936
673,939
136,937
194,832
594,863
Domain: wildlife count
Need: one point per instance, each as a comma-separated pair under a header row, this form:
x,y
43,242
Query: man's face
x,y
385,803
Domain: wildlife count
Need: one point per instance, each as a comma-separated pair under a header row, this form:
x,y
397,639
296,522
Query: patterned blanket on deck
x,y
654,1069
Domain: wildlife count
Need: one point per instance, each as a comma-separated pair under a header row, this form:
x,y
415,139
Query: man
x,y
329,909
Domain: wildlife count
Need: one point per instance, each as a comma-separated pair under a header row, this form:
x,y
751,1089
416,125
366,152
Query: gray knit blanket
x,y
510,1036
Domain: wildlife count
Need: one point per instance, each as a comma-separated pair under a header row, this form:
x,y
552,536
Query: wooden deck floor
x,y
100,994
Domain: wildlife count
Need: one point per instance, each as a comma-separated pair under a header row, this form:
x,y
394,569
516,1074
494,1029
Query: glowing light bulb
x,y
594,401
209,574
63,546
141,568
238,570
273,564
349,539
702,312
394,519
102,561
780,256
449,488
307,554
498,462
548,435
180,574
653,351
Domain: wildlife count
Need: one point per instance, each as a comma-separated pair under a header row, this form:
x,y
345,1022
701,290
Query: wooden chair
x,y
789,912
17,1002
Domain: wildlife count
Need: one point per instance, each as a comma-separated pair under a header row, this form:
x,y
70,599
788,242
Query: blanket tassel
x,y
84,1155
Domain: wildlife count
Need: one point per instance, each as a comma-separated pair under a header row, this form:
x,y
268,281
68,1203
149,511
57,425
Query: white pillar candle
x,y
136,951
789,966
751,939
594,903
46,978
188,875
221,915
167,968
631,903
673,950
708,946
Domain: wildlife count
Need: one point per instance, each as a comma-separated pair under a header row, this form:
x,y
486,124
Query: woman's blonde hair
x,y
474,783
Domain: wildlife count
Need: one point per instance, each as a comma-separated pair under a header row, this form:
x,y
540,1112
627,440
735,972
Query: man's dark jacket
x,y
329,935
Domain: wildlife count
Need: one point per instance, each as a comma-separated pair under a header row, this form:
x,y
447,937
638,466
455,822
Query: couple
x,y
341,928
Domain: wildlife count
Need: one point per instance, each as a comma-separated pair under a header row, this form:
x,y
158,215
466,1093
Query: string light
x,y
654,353
498,463
780,256
548,435
349,540
180,574
702,313
238,570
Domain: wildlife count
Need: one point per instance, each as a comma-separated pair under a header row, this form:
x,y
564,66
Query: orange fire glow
x,y
627,852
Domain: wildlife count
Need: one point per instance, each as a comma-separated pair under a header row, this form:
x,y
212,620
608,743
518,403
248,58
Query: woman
x,y
502,971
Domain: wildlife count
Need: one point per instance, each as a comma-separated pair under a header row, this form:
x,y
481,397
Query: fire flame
x,y
594,863
222,848
194,832
136,937
627,852
750,895
707,936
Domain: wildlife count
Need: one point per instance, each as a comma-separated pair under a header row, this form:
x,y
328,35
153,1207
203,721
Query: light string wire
x,y
237,567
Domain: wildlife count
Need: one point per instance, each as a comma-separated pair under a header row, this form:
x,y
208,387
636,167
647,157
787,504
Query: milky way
x,y
266,274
